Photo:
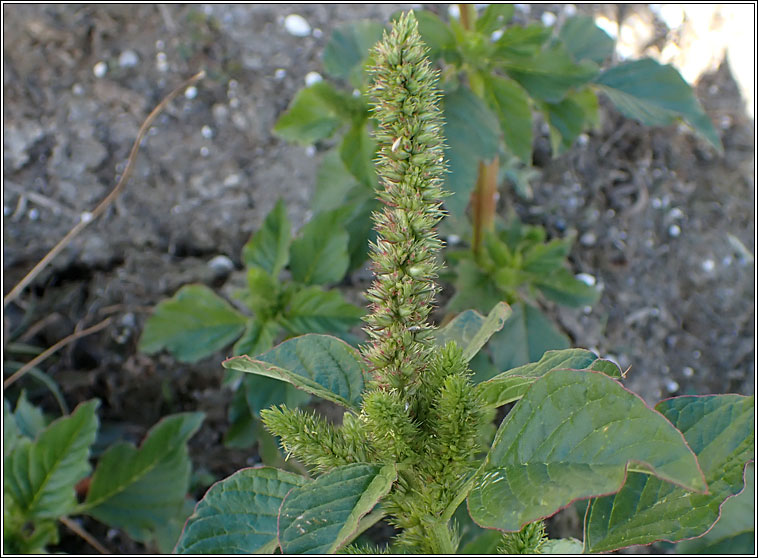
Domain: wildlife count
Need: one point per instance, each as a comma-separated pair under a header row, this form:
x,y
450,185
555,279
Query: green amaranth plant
x,y
142,491
408,448
196,322
498,79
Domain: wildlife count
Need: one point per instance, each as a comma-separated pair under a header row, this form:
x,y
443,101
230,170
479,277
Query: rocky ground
x,y
663,223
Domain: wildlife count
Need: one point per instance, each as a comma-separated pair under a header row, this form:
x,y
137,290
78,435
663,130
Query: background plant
x,y
408,436
196,322
48,477
499,81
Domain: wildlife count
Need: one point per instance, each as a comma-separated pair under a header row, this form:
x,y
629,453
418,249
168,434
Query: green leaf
x,y
585,40
519,42
238,515
436,35
573,436
512,385
323,515
357,152
268,248
348,49
525,337
720,430
511,104
562,546
258,337
471,331
570,117
30,419
40,475
486,543
314,114
494,17
319,254
262,294
656,95
193,324
314,310
551,73
333,183
546,258
11,433
167,535
733,533
319,364
472,135
139,490
473,288
562,287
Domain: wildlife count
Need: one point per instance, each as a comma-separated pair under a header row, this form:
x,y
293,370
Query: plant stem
x,y
483,201
468,15
440,538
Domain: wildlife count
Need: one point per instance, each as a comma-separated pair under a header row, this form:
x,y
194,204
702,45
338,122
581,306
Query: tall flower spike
x,y
410,166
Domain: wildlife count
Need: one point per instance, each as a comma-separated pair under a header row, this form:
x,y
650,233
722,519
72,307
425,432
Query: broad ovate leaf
x,y
319,364
139,490
471,331
319,254
510,102
472,135
40,475
322,516
585,40
238,515
656,95
525,337
314,114
720,430
312,309
193,324
348,48
268,248
511,385
574,435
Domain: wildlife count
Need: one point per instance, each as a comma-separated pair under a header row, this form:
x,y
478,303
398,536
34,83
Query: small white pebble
x,y
206,132
318,33
454,11
696,353
672,386
310,150
708,265
161,62
77,89
656,203
727,261
191,92
688,372
569,9
221,264
496,34
356,93
159,44
100,69
674,231
128,59
587,279
7,210
297,25
587,309
524,8
676,213
232,180
588,239
548,18
204,151
34,214
583,139
86,217
279,73
312,77
453,240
